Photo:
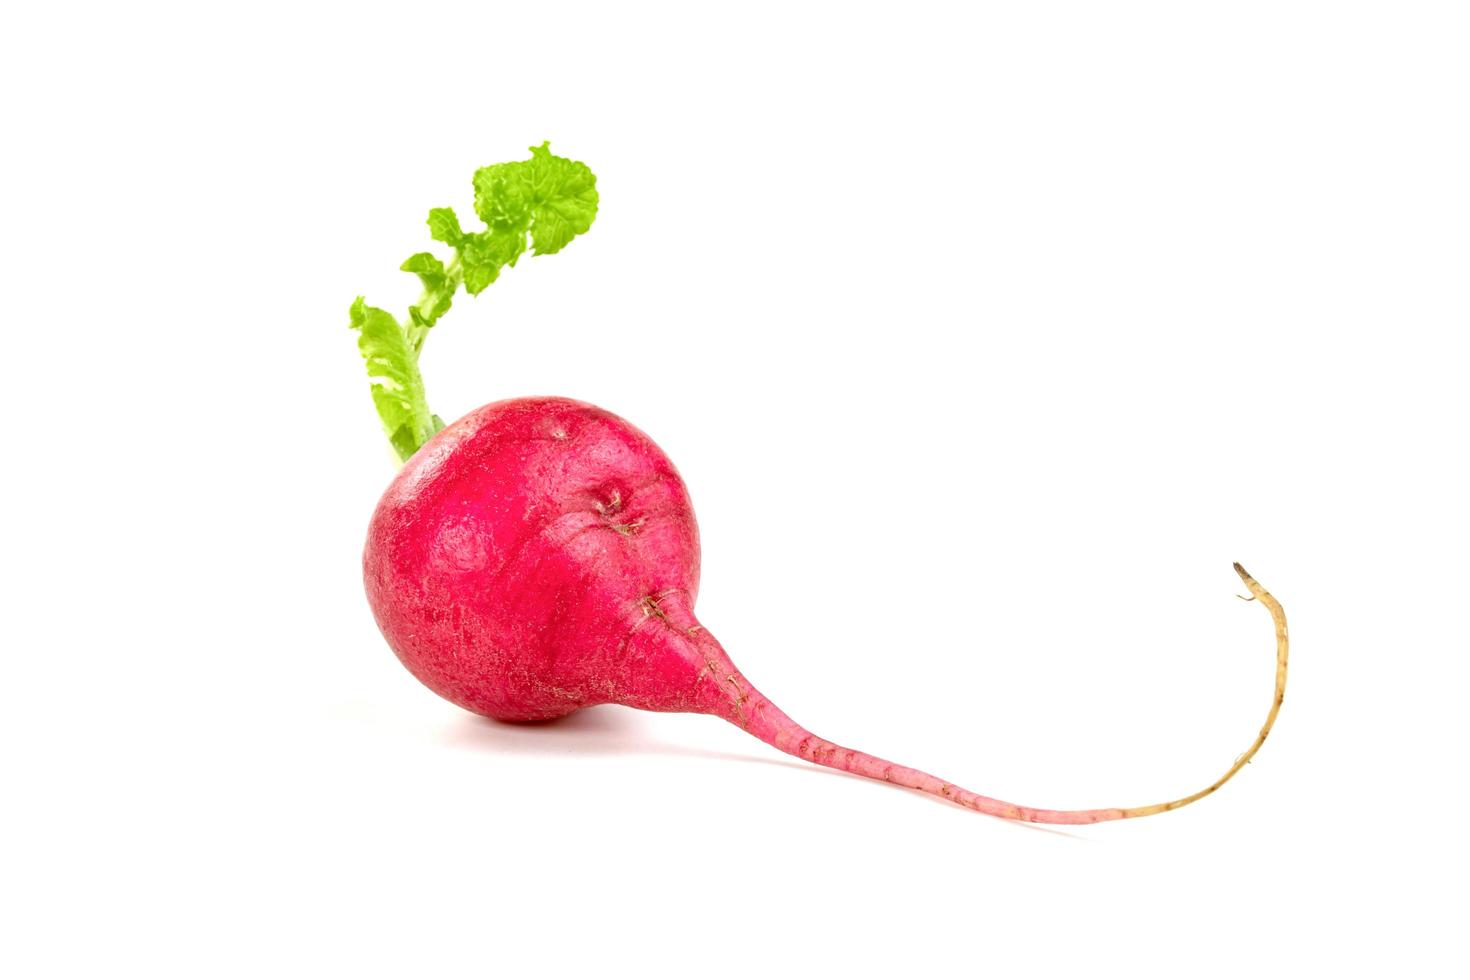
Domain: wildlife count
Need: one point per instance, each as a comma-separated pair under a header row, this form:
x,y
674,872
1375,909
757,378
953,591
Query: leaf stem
x,y
417,330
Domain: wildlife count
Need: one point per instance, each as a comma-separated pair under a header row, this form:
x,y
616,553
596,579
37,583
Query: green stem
x,y
416,332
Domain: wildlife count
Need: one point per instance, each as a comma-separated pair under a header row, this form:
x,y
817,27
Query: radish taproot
x,y
541,555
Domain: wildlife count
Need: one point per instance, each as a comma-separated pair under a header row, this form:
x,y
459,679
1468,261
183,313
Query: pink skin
x,y
540,555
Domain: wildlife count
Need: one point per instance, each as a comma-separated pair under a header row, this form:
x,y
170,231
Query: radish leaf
x,y
545,202
398,389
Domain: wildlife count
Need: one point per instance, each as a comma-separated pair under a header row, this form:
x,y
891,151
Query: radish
x,y
541,555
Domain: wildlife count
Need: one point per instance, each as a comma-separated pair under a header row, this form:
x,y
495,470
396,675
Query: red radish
x,y
540,555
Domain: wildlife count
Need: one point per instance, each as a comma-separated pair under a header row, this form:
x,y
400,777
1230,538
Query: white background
x,y
985,336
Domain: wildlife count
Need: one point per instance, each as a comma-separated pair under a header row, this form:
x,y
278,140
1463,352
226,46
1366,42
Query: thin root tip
x,y
1250,583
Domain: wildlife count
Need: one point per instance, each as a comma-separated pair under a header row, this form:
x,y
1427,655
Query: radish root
x,y
763,719
1278,616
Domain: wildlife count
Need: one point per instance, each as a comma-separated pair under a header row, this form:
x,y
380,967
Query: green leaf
x,y
439,288
444,226
479,275
428,268
393,370
541,203
486,253
550,197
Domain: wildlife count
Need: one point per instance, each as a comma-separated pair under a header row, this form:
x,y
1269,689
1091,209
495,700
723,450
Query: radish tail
x,y
752,711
